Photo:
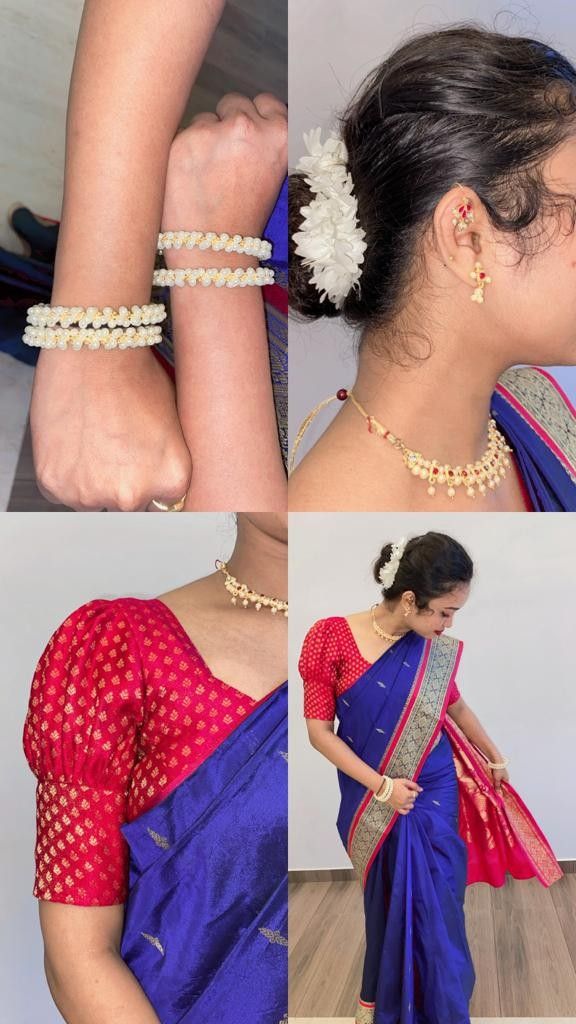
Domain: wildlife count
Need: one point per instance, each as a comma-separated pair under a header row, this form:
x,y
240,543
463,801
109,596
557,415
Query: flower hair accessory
x,y
388,571
330,240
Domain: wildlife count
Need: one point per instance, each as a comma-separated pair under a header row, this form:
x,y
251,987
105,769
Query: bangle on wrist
x,y
91,337
43,315
384,792
241,277
497,764
222,242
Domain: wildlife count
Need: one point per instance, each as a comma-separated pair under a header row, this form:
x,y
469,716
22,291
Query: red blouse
x,y
122,708
330,663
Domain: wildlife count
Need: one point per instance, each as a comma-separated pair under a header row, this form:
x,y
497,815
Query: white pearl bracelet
x,y
222,242
241,277
43,315
91,337
502,764
388,785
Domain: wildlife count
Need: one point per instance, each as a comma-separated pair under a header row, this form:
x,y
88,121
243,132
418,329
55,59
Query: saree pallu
x,y
539,422
414,868
205,929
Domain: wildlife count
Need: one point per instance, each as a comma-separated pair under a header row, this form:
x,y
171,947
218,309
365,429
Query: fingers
x,y
234,103
270,107
205,118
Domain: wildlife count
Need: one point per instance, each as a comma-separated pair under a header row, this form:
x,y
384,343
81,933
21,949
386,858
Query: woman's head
x,y
431,583
497,114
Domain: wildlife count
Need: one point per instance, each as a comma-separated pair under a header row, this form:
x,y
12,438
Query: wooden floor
x,y
248,54
522,938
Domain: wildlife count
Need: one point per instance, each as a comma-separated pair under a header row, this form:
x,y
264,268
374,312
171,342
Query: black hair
x,y
459,105
431,565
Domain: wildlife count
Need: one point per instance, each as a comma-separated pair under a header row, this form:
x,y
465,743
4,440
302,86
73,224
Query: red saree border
x,y
363,843
506,390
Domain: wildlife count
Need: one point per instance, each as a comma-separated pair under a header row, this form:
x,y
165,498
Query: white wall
x,y
333,44
51,564
517,668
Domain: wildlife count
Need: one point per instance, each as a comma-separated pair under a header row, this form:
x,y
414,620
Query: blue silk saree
x,y
539,423
205,928
414,868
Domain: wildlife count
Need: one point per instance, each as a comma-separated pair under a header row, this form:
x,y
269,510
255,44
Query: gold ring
x,y
176,507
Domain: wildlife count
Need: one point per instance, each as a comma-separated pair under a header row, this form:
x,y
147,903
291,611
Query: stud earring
x,y
481,279
463,215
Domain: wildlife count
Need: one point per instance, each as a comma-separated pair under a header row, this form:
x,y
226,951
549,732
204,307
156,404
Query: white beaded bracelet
x,y
91,337
222,242
241,277
387,787
43,315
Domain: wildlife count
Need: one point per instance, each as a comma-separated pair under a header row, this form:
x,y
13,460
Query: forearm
x,y
225,399
340,754
475,732
99,989
133,70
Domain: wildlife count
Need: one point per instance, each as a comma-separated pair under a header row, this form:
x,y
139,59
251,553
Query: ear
x,y
408,599
457,248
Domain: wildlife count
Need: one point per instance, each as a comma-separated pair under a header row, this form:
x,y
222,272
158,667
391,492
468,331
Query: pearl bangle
x,y
385,790
502,764
222,242
90,337
43,315
239,278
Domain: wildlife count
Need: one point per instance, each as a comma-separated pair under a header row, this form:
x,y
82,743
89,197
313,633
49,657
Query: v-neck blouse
x,y
330,662
122,708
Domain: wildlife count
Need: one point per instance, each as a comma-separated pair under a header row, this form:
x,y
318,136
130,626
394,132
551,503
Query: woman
x,y
426,803
161,852
452,179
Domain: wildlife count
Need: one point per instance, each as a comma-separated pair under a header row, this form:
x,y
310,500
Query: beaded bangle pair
x,y
385,790
225,277
90,327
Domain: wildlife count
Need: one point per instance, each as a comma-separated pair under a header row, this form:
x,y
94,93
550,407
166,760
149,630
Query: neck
x,y
260,558
391,620
438,405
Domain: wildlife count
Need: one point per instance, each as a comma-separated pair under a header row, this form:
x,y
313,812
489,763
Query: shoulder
x,y
112,623
538,393
331,625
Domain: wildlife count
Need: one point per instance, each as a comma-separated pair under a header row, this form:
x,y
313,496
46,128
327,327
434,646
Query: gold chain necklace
x,y
378,629
480,476
240,591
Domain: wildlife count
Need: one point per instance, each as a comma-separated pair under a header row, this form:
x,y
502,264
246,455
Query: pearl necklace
x,y
378,629
248,596
486,473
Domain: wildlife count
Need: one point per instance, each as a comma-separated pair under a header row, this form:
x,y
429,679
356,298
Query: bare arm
x,y
471,726
225,173
89,981
323,738
104,424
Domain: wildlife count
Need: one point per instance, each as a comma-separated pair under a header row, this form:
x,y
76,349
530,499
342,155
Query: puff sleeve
x,y
80,740
318,665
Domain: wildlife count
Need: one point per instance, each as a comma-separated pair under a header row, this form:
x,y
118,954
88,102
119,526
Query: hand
x,y
404,794
498,774
226,169
105,431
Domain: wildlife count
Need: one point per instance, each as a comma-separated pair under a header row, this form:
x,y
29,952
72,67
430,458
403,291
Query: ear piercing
x,y
463,217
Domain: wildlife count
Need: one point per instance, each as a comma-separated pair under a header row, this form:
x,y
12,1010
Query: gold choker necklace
x,y
378,629
476,477
240,591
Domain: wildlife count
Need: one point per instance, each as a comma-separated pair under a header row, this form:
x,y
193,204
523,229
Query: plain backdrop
x,y
333,44
51,564
517,667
